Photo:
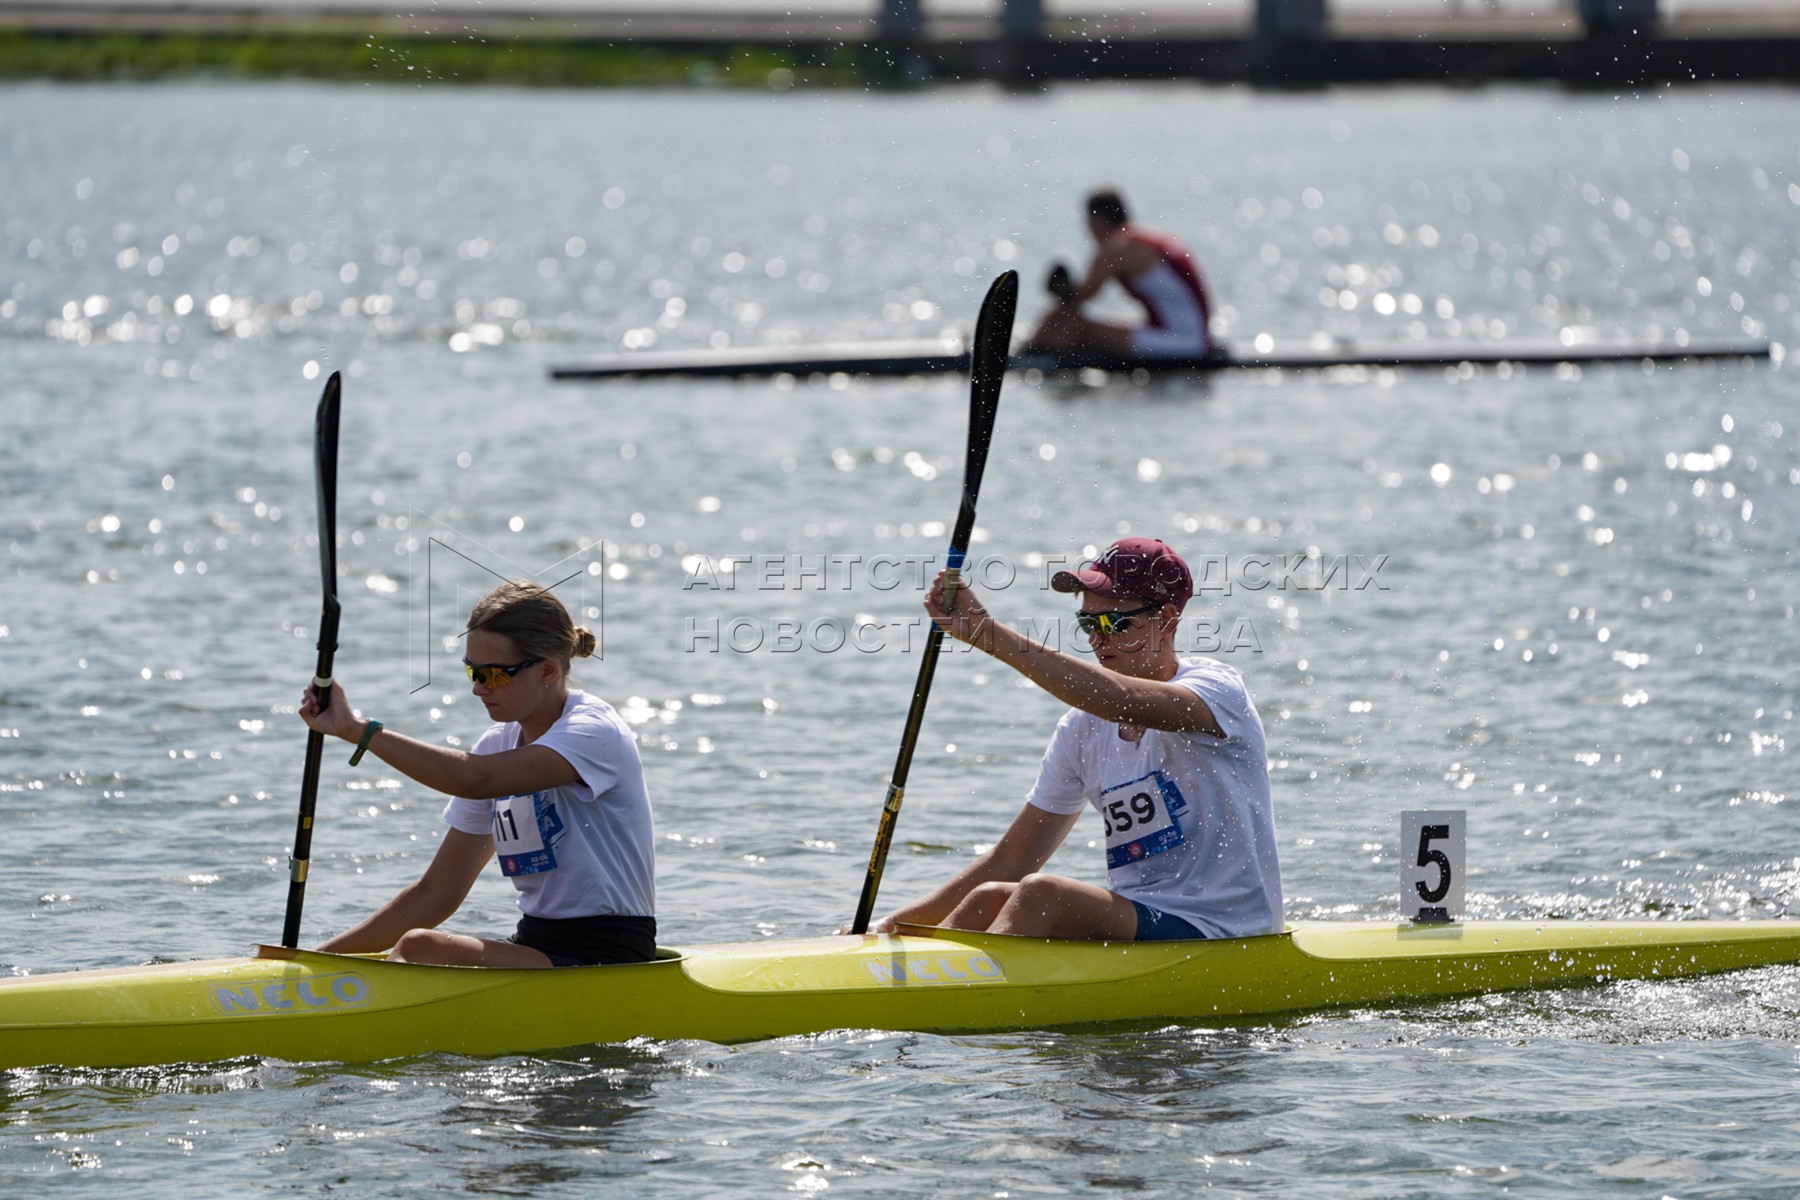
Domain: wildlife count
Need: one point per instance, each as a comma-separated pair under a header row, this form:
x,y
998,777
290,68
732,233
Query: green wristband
x,y
369,731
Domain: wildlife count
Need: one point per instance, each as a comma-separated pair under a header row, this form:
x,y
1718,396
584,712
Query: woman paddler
x,y
554,787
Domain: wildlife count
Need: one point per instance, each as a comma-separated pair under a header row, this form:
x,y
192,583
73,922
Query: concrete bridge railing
x,y
1023,20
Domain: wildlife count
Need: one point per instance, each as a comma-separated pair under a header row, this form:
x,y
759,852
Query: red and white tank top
x,y
1173,291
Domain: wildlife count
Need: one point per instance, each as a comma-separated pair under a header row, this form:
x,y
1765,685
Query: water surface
x,y
1575,613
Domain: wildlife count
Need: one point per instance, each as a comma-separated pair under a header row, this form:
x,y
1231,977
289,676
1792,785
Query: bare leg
x,y
459,950
979,908
1053,906
1065,329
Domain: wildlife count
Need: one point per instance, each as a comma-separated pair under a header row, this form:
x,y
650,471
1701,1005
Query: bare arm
x,y
1151,703
424,904
1104,267
1026,846
1117,258
454,772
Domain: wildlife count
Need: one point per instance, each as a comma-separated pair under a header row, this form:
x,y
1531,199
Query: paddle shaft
x,y
987,370
325,440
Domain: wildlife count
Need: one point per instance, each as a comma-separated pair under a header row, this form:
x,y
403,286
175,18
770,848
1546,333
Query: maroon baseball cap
x,y
1132,568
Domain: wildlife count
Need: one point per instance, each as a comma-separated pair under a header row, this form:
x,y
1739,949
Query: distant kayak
x,y
301,1005
950,356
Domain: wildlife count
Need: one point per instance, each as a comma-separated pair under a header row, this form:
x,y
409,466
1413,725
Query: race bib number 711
x,y
525,829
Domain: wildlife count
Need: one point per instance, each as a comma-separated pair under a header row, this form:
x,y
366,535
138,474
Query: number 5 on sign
x,y
1432,851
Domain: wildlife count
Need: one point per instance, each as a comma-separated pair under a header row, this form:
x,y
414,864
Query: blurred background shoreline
x,y
764,43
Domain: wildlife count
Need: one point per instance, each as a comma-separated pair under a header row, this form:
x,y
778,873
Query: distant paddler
x,y
1158,271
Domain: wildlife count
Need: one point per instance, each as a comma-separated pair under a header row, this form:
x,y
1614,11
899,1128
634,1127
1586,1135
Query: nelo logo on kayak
x,y
313,993
945,968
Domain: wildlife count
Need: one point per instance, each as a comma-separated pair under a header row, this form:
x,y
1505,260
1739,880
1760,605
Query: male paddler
x,y
1154,267
1168,749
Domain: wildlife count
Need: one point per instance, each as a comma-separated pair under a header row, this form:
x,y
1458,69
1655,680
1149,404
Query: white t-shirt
x,y
1190,827
583,850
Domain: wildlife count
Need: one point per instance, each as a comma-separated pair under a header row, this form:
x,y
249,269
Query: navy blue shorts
x,y
1157,926
588,941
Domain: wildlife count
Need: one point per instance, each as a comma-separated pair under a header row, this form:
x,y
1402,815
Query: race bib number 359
x,y
1140,819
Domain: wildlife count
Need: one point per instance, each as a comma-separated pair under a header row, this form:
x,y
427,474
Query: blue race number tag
x,y
1140,819
525,829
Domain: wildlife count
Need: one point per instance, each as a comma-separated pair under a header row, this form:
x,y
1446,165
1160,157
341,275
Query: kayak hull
x,y
951,357
306,1006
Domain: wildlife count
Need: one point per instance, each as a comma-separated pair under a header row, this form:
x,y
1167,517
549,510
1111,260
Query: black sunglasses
x,y
496,675
1108,623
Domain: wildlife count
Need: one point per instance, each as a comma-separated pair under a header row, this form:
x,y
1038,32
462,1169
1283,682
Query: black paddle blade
x,y
987,371
325,455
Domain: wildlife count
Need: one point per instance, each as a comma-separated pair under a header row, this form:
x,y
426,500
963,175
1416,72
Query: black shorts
x,y
588,941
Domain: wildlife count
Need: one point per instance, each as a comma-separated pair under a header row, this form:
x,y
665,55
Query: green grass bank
x,y
401,60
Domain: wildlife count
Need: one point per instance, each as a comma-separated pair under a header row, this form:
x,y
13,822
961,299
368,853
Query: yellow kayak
x,y
305,1006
